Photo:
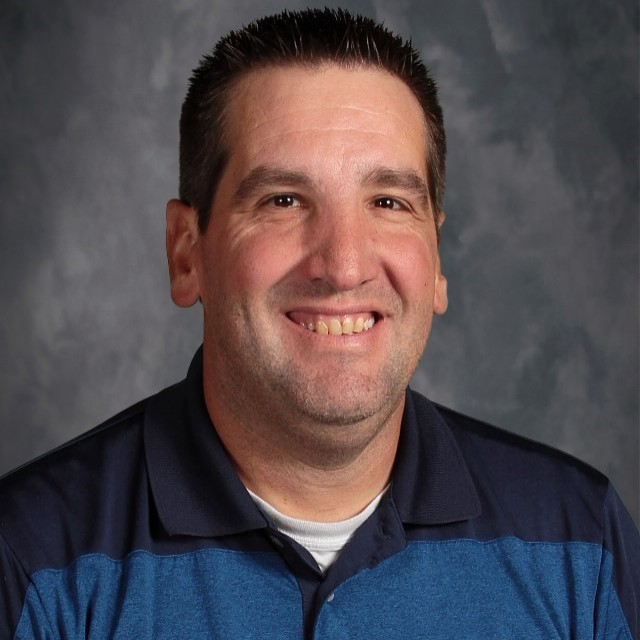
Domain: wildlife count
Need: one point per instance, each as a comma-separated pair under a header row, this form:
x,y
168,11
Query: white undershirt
x,y
323,540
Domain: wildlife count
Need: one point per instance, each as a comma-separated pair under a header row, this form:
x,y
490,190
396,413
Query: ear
x,y
440,299
182,236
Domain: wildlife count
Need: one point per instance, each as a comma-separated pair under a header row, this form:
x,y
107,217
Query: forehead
x,y
280,109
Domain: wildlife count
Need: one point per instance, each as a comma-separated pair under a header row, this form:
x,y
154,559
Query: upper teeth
x,y
335,327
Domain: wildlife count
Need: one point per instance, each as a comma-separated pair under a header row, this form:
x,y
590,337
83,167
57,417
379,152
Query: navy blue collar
x,y
431,481
197,492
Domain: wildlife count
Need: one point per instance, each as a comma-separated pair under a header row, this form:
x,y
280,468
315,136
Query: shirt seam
x,y
145,552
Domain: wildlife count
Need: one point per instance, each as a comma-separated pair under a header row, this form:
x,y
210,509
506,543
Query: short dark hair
x,y
308,38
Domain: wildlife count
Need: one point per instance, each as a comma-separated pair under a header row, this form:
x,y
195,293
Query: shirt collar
x,y
431,481
197,492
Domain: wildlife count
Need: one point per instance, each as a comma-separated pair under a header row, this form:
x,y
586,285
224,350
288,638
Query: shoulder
x,y
526,488
75,459
515,456
89,497
68,501
552,514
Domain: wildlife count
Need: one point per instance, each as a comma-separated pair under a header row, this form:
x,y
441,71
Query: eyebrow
x,y
380,177
263,176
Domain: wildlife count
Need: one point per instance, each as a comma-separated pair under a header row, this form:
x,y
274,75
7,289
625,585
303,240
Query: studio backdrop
x,y
540,244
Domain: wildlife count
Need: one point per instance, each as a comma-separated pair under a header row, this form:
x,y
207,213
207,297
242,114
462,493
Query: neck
x,y
324,473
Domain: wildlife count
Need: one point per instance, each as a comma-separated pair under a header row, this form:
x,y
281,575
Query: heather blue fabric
x,y
185,596
465,589
508,589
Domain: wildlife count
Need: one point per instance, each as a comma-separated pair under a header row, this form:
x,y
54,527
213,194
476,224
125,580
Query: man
x,y
291,486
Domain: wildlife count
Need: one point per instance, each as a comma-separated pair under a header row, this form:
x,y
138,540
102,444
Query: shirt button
x,y
331,597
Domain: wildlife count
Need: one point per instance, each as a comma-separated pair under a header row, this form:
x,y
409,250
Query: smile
x,y
335,325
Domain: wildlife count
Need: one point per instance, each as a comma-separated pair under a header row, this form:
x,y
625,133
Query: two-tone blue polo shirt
x,y
142,529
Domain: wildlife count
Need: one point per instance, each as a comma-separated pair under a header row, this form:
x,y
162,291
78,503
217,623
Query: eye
x,y
387,202
284,201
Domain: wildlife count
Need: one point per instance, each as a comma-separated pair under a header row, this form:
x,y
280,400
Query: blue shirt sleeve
x,y
618,597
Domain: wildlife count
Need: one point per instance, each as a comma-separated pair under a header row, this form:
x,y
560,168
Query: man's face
x,y
319,270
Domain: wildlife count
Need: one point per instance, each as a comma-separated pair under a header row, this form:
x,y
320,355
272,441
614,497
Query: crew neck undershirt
x,y
323,540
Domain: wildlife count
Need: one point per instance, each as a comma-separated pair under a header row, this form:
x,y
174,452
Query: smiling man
x,y
318,274
292,486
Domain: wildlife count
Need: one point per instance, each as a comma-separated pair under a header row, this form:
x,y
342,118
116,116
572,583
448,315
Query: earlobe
x,y
182,236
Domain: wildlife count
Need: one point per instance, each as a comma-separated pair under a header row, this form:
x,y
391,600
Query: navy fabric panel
x,y
431,481
202,594
527,489
14,582
90,495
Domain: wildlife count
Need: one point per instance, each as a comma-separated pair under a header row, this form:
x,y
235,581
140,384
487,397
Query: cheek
x,y
256,264
411,266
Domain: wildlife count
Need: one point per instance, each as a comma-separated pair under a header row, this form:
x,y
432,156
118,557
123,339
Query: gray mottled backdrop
x,y
540,244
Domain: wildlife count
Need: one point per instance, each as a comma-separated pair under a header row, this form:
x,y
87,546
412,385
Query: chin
x,y
349,405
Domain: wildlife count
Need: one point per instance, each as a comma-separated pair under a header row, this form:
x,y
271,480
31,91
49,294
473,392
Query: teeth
x,y
322,328
334,327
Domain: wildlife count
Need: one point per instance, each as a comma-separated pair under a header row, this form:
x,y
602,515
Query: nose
x,y
342,249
